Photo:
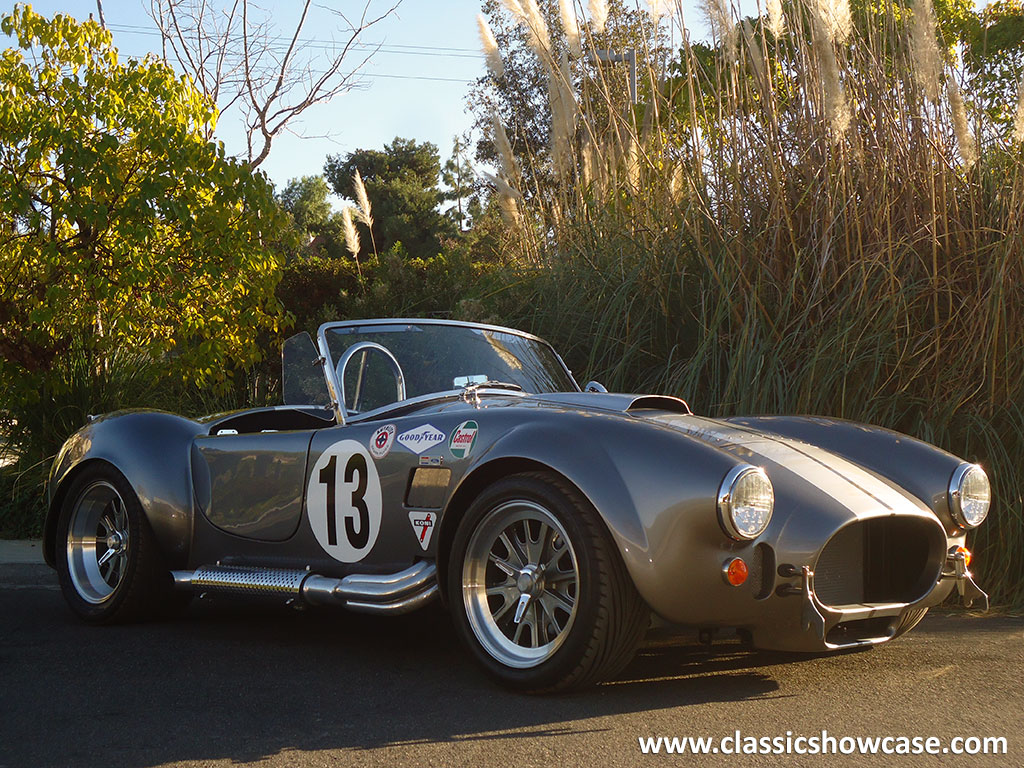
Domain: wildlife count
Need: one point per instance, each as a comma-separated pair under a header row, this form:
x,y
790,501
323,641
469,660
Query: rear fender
x,y
151,450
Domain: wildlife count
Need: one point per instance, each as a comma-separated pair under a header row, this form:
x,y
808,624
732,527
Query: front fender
x,y
151,450
654,489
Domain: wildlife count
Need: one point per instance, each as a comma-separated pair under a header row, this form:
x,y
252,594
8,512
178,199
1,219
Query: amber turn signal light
x,y
967,555
735,571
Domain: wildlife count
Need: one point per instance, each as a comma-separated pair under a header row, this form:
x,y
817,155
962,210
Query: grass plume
x,y
490,47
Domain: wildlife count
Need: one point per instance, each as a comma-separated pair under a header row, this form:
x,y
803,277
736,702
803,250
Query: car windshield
x,y
438,357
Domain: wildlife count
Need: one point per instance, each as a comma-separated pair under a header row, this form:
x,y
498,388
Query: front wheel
x,y
538,589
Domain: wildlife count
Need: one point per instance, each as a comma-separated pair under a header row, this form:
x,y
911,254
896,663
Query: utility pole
x,y
629,57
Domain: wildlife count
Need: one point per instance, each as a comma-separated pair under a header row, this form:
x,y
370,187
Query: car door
x,y
251,485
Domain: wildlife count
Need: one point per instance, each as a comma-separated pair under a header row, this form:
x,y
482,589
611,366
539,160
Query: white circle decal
x,y
344,501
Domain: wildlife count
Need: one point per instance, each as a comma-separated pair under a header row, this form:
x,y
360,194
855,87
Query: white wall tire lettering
x,y
344,501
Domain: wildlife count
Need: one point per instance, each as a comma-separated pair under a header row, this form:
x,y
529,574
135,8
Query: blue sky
x,y
414,87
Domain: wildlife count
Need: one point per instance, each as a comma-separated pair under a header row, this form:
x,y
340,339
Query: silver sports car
x,y
415,459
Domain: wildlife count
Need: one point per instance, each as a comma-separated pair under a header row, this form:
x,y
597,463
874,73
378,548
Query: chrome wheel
x,y
520,583
98,542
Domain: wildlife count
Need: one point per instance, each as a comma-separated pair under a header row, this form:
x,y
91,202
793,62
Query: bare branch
x,y
238,60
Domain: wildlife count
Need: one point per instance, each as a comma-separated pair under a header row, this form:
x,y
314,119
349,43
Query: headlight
x,y
970,495
745,502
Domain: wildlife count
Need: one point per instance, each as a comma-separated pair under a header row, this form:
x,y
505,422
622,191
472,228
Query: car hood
x,y
798,470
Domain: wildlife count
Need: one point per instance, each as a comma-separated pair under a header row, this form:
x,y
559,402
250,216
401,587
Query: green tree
x,y
402,184
994,60
319,228
121,226
459,177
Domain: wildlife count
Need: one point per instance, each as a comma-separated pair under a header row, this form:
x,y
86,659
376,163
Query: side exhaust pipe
x,y
367,593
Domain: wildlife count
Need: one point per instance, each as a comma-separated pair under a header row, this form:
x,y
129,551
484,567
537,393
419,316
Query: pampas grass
x,y
490,48
964,137
351,234
776,19
835,15
571,27
363,210
928,61
800,240
1018,118
598,15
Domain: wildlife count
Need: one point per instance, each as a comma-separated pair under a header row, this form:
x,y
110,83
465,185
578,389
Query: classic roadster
x,y
415,459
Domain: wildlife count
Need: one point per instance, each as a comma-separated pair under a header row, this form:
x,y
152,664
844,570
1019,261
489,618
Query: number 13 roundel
x,y
344,501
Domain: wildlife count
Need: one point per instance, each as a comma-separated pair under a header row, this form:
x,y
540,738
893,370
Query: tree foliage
x,y
121,225
402,184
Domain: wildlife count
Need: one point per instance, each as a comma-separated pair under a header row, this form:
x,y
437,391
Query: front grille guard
x,y
818,618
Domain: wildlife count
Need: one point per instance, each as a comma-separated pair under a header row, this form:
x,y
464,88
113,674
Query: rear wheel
x,y
107,560
538,589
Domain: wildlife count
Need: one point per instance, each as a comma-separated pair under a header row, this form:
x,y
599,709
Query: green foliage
x,y
318,290
121,226
402,186
306,200
319,230
994,60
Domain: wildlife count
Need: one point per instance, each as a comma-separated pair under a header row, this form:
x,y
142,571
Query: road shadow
x,y
240,682
245,682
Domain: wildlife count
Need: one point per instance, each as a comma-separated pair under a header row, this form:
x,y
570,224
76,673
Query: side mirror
x,y
594,386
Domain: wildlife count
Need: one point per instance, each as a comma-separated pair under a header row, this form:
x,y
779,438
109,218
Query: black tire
x,y
609,618
141,585
909,620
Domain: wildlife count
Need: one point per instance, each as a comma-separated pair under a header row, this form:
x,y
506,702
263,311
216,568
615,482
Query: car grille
x,y
880,560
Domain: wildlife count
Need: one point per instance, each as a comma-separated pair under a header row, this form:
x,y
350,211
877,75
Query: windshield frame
x,y
334,386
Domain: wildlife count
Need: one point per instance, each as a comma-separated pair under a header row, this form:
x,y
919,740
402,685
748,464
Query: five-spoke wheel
x,y
109,567
98,542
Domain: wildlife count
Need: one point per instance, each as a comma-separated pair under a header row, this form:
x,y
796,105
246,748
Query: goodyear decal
x,y
420,439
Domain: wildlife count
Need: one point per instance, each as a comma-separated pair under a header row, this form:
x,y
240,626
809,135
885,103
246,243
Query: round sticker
x,y
462,439
344,501
380,443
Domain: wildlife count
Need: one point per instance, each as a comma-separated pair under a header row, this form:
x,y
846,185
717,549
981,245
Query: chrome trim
x,y
391,593
819,618
366,346
331,376
725,491
954,495
968,590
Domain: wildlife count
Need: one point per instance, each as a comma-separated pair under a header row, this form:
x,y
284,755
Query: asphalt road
x,y
227,684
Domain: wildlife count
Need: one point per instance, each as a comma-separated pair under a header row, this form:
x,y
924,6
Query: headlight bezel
x,y
956,486
726,502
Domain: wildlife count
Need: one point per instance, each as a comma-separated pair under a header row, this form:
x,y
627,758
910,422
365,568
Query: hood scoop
x,y
608,401
659,403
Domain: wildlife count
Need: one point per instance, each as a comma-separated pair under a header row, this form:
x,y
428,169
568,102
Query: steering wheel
x,y
365,347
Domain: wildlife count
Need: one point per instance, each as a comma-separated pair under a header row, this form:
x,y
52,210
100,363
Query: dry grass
x,y
797,225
